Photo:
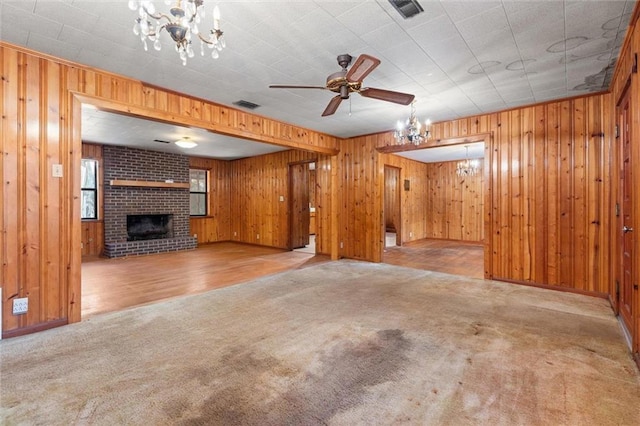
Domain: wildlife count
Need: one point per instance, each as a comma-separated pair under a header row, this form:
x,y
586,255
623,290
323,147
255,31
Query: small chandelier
x,y
467,167
181,24
410,130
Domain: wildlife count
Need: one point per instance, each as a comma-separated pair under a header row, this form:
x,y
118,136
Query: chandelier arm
x,y
156,16
217,33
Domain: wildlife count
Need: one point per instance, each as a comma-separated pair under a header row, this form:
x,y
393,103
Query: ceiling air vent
x,y
246,104
160,141
407,8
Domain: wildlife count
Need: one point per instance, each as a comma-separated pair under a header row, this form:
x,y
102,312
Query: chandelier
x,y
182,25
411,130
467,167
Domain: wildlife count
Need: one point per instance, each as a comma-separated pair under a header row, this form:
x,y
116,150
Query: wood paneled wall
x,y
455,204
414,202
216,225
40,218
548,184
40,227
361,199
257,214
93,230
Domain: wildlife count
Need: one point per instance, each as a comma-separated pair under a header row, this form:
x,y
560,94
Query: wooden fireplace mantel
x,y
148,184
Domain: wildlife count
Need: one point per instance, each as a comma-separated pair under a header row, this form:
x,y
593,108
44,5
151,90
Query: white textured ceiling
x,y
117,129
459,58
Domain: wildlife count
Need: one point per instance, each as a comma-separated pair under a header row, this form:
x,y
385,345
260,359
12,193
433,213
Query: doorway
x,y
299,205
392,207
624,294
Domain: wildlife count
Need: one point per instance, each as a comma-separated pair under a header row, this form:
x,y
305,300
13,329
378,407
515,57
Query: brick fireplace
x,y
124,202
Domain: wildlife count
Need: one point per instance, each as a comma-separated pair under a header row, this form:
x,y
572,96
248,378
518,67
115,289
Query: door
x,y
625,292
299,205
392,202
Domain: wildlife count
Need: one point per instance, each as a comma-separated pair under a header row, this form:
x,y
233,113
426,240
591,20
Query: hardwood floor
x,y
114,284
451,257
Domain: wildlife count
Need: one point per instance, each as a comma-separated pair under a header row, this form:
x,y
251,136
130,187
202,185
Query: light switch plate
x,y
56,170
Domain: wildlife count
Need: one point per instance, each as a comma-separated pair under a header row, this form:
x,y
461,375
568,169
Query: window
x,y
89,187
198,188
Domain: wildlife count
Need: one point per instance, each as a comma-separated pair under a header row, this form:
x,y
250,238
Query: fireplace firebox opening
x,y
149,226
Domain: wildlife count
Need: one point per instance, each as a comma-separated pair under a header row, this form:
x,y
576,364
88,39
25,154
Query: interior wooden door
x,y
392,201
625,292
299,216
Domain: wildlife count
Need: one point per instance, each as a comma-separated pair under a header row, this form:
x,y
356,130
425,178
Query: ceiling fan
x,y
349,81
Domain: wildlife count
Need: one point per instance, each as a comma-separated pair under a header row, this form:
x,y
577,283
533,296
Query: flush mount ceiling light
x,y
411,130
181,23
186,143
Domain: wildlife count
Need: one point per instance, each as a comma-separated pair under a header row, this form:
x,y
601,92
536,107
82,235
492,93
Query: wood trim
x,y
112,105
432,143
34,328
597,294
148,184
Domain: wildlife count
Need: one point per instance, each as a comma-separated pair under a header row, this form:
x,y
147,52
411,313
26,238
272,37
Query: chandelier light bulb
x,y
216,18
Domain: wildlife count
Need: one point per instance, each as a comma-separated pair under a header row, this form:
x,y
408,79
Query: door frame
x,y
290,201
397,202
629,321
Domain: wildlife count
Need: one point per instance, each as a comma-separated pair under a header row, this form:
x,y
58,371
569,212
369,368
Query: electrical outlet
x,y
341,245
410,234
20,306
195,235
257,236
235,234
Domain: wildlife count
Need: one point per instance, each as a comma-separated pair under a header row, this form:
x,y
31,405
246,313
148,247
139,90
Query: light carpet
x,y
339,343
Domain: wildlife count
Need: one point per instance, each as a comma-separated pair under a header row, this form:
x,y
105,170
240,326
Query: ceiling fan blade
x,y
387,95
361,68
288,86
334,103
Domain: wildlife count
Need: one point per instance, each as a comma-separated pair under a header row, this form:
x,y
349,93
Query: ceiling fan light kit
x,y
182,25
349,80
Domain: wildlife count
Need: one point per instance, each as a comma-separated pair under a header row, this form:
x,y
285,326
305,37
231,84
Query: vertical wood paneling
x,y
32,285
455,204
257,214
53,298
13,201
362,179
216,225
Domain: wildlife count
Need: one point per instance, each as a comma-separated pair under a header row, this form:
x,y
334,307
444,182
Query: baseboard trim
x,y
34,328
555,287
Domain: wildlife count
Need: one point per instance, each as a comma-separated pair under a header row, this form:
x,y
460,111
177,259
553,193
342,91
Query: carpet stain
x,y
290,397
